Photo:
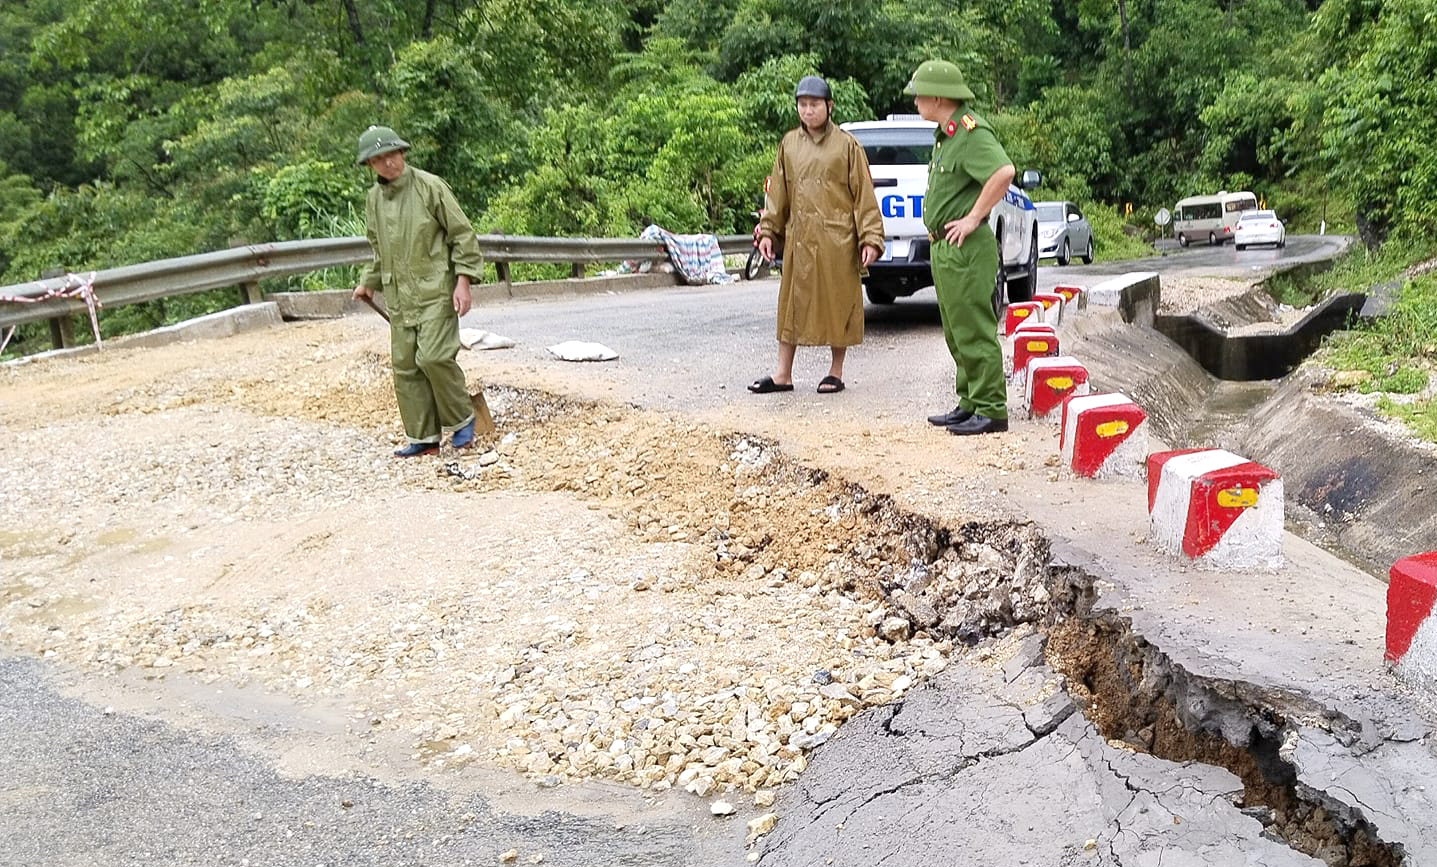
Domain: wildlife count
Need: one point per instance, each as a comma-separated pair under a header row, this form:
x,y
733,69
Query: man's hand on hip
x,y
954,231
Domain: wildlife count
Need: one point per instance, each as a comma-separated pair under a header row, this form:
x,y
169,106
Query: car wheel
x,y
879,293
1240,247
1282,242
1088,256
1000,293
1065,253
1182,240
1212,239
1022,288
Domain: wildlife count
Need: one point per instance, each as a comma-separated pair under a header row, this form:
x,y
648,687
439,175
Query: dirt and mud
x,y
595,591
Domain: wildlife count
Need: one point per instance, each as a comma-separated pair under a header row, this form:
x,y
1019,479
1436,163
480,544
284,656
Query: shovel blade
x,y
483,419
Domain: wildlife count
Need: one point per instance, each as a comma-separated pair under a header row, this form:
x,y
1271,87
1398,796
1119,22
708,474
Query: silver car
x,y
1062,232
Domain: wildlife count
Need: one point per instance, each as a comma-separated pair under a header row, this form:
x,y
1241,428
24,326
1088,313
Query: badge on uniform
x,y
951,129
969,123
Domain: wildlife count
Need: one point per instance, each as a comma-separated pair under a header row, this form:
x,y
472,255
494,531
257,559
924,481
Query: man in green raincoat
x,y
425,257
969,173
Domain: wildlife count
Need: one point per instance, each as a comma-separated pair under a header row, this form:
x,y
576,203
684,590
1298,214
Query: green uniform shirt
x,y
966,153
421,241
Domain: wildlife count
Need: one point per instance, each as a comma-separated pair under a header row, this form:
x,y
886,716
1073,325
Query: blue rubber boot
x,y
464,437
414,450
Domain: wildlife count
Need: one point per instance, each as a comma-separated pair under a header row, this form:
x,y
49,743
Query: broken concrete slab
x,y
954,776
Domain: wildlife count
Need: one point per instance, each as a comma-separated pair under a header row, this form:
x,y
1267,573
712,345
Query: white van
x,y
898,152
1210,218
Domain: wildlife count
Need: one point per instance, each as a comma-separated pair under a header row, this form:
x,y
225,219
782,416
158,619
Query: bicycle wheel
x,y
755,265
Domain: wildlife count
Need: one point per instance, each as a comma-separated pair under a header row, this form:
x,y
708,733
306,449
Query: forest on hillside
x,y
132,130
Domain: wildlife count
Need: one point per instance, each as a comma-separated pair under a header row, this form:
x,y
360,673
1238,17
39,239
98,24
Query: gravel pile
x,y
595,592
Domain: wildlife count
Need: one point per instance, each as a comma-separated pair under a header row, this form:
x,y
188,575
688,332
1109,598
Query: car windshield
x,y
896,147
1050,213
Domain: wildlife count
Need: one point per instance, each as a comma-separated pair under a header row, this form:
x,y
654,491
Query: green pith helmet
x,y
938,78
378,140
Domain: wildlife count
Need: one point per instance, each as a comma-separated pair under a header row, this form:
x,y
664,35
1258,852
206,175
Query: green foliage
x,y
1419,415
300,197
1381,114
1397,351
1114,239
138,129
443,107
767,95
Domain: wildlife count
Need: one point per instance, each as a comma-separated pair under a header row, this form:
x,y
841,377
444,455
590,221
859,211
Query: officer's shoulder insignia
x,y
951,129
968,122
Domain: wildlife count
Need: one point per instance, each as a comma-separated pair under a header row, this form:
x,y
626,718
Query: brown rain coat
x,y
820,206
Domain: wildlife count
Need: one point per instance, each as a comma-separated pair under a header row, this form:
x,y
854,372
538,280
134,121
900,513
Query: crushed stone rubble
x,y
746,607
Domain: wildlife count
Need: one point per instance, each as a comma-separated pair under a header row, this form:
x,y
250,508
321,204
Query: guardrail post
x,y
62,332
501,273
250,293
576,270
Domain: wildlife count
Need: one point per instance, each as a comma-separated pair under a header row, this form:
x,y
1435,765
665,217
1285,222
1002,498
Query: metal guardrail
x,y
245,266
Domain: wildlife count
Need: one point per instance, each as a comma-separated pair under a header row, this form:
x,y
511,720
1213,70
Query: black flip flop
x,y
767,386
835,385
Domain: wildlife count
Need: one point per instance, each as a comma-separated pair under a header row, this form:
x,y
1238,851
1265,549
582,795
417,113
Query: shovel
x,y
483,420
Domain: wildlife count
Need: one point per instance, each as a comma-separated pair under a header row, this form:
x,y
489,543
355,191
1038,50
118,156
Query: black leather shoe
x,y
954,416
978,424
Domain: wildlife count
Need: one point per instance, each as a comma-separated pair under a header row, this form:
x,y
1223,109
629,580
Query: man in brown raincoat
x,y
821,207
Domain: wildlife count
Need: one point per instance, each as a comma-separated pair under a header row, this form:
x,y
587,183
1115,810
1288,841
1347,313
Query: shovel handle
x,y
376,308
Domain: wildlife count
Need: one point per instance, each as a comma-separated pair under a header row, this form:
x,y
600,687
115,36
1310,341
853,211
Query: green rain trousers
x,y
964,278
428,382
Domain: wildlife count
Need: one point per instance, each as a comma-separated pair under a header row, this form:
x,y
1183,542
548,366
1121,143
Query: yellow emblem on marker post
x,y
1237,498
1037,346
1060,383
1021,313
1111,429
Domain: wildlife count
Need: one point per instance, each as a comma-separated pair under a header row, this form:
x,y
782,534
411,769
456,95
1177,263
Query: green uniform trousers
x,y
964,278
428,382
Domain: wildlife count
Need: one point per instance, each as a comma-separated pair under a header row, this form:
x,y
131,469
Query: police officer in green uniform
x,y
968,174
425,256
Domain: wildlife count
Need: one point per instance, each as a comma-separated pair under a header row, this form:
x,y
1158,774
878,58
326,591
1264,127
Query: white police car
x,y
898,152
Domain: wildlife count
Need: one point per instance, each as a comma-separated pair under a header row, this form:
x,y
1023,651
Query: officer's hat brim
x,y
959,93
381,148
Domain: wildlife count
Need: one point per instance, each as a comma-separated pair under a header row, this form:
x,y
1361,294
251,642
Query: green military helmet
x,y
938,78
378,140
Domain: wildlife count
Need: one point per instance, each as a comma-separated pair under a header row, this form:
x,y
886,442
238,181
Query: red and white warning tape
x,y
75,287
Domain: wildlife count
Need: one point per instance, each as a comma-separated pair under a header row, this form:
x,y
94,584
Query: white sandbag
x,y
578,350
478,338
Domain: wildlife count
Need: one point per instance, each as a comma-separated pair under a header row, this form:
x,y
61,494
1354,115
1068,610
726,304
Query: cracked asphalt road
x,y
989,765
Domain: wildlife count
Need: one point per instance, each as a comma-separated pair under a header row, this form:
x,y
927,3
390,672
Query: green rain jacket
x,y
421,241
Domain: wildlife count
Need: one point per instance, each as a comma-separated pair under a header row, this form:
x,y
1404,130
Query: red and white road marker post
x,y
1217,509
1050,382
1411,626
1102,436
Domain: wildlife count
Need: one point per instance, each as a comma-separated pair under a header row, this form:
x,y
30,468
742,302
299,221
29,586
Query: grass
x,y
1395,354
1420,416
